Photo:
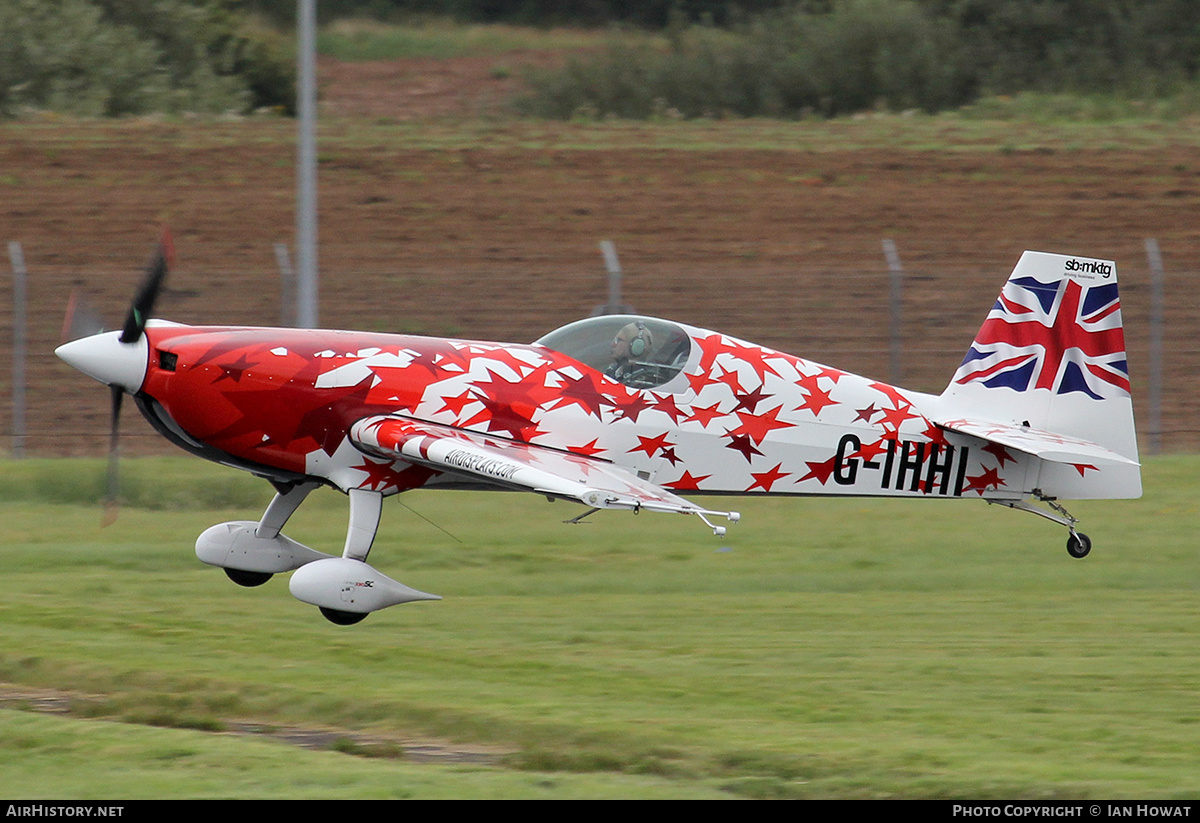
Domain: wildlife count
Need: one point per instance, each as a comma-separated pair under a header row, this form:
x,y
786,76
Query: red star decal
x,y
999,452
651,445
866,414
520,393
456,404
741,443
630,408
816,401
704,414
765,480
980,483
819,471
588,449
582,392
1083,467
730,379
700,381
710,347
809,382
667,406
758,426
504,417
379,475
688,482
233,371
750,400
228,346
754,357
893,418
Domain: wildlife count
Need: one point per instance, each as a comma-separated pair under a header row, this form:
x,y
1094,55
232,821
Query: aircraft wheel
x,y
1079,544
342,618
248,579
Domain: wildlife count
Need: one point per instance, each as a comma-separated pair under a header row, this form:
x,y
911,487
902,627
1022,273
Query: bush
x,y
838,56
121,57
863,54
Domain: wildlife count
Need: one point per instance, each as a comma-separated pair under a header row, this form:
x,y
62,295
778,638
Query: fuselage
x,y
725,416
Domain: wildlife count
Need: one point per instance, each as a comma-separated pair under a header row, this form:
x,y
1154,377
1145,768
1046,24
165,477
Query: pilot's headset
x,y
641,341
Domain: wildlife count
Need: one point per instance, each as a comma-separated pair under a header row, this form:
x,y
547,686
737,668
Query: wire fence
x,y
904,314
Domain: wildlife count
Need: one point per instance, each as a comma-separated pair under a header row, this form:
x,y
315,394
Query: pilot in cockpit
x,y
630,349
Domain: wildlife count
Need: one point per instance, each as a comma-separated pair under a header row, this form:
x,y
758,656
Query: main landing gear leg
x,y
1078,543
287,499
366,507
365,510
285,502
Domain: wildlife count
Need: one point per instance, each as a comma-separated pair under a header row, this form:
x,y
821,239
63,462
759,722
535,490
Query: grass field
x,y
823,649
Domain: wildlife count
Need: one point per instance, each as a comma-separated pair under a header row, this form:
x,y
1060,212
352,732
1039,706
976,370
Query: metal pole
x,y
895,370
289,313
306,165
19,340
614,276
1156,344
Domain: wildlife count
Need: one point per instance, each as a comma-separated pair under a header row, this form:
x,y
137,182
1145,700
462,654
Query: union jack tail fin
x,y
1048,370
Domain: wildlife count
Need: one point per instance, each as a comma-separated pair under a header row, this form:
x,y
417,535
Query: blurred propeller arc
x,y
82,318
83,321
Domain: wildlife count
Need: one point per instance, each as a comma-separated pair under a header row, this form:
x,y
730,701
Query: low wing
x,y
514,465
1056,448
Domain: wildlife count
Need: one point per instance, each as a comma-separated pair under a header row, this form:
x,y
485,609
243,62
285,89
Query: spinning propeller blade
x,y
112,479
143,303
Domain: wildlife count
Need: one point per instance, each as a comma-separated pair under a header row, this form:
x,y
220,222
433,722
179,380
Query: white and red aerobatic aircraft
x,y
624,412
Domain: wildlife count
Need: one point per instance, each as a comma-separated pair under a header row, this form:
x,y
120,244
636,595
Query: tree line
x,y
831,57
723,57
122,57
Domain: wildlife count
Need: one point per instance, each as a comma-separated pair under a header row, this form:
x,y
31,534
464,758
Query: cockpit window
x,y
641,352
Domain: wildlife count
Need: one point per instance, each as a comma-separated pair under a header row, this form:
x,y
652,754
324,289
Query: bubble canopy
x,y
641,352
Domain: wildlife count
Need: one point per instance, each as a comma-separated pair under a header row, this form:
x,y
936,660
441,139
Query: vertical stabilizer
x,y
1050,358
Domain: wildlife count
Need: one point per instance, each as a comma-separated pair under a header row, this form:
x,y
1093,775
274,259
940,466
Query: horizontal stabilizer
x,y
1056,448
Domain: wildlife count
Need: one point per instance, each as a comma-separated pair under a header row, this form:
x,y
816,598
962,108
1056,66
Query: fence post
x,y
17,257
895,319
1156,344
